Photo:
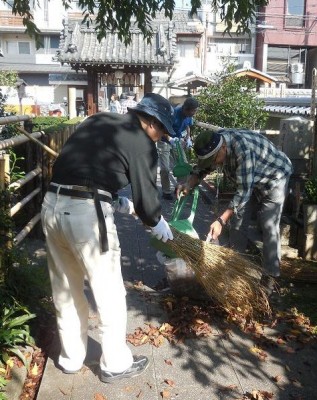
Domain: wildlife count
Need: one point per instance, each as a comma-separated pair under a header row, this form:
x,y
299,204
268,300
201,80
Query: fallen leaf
x,y
144,339
165,327
10,362
169,382
259,352
165,394
255,349
35,370
158,341
99,396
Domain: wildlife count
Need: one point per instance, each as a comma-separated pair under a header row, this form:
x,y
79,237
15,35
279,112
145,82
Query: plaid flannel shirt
x,y
253,163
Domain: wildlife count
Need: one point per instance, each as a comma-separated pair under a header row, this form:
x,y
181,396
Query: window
x,y
295,10
9,3
197,50
295,7
181,50
49,44
15,48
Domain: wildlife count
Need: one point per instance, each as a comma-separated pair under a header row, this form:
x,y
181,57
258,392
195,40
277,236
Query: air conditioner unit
x,y
297,73
297,68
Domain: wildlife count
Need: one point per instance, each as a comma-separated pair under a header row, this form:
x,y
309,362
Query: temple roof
x,y
80,47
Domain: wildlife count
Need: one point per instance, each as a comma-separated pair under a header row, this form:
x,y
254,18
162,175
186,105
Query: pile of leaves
x,y
187,319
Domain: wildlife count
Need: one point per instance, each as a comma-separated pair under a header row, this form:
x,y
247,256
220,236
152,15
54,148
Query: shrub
x,y
310,195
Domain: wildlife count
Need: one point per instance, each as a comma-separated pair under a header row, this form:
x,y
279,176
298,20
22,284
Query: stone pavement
x,y
227,365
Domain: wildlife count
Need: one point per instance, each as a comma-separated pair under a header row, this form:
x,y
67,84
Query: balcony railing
x,y
8,19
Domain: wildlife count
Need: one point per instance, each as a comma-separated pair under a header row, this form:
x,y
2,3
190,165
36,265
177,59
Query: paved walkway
x,y
229,364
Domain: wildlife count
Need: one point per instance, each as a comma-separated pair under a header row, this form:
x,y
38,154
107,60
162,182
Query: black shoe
x,y
139,365
167,196
268,284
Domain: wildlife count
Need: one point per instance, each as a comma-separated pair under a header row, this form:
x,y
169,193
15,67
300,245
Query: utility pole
x,y
313,149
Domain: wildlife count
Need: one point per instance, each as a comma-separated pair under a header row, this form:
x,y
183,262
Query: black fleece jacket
x,y
110,151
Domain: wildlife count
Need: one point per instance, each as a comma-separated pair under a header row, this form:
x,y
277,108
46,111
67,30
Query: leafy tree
x,y
117,15
7,78
231,103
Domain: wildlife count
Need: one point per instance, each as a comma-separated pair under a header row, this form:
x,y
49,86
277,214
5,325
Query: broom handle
x,y
46,148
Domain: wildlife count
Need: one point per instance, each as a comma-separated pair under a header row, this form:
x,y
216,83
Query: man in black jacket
x,y
106,153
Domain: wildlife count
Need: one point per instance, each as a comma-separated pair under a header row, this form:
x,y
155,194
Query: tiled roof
x,y
182,22
288,105
289,110
80,47
34,68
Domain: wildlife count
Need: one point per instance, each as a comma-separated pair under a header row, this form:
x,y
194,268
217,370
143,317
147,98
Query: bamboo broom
x,y
230,279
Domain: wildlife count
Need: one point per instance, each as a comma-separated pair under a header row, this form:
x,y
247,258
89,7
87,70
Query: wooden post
x,y
4,182
4,170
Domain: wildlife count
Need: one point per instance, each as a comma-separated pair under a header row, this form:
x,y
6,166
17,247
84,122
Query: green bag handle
x,y
179,205
181,158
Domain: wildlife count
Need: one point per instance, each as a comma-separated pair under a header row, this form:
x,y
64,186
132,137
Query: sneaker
x,y
167,196
140,364
70,371
268,284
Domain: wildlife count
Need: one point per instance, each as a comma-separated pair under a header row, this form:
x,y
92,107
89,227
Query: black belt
x,y
98,197
79,193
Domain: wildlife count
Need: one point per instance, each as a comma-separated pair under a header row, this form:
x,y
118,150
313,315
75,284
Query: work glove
x,y
162,231
189,143
173,141
124,206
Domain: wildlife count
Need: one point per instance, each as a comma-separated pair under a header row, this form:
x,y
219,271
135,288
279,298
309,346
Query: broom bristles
x,y
229,278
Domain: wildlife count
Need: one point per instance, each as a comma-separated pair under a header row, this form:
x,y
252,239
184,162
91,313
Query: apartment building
x,y
200,50
45,78
286,41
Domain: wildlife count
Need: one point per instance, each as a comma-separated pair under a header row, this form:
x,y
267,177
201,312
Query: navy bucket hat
x,y
157,106
206,147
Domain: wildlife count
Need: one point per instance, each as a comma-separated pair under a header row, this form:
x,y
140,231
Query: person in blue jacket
x,y
182,121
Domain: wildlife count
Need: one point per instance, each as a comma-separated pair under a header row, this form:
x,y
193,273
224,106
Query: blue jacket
x,y
180,121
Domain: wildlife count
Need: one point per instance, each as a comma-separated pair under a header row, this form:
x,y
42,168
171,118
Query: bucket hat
x,y
157,106
206,146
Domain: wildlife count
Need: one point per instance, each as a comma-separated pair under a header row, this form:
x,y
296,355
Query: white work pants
x,y
71,229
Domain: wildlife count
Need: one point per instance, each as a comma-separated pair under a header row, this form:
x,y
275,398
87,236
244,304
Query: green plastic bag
x,y
182,225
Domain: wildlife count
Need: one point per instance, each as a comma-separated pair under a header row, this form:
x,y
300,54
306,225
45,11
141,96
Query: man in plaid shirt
x,y
260,171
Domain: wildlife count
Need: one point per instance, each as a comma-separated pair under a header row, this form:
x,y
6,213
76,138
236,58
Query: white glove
x,y
173,141
124,206
189,143
162,231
